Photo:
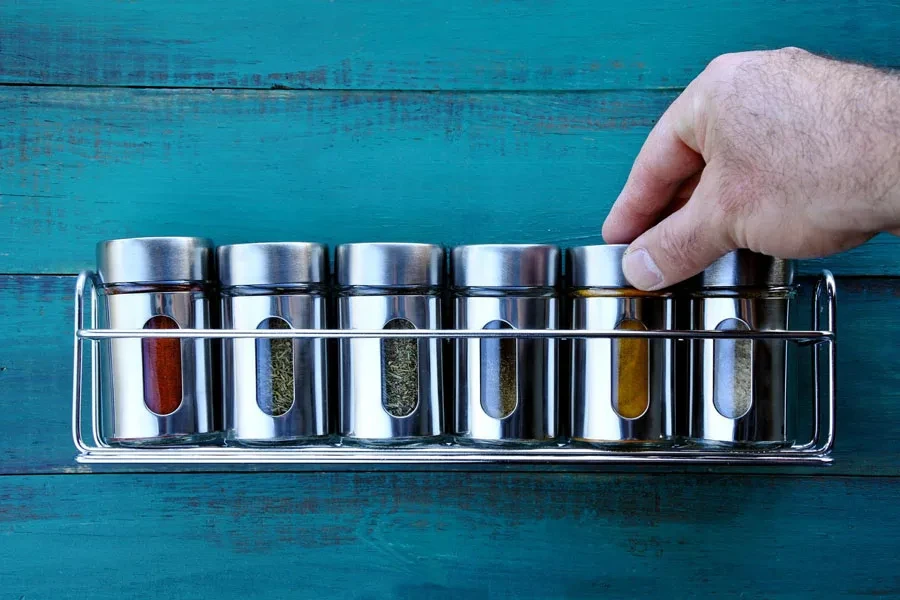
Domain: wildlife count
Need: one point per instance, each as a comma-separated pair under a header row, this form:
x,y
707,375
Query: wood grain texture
x,y
447,536
376,155
425,45
34,359
35,378
81,165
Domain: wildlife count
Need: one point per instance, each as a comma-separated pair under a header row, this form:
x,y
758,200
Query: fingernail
x,y
641,271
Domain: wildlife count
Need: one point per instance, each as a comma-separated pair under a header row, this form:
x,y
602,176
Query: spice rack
x,y
814,451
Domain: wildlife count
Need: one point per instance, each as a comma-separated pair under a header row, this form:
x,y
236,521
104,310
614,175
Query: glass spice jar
x,y
275,390
390,389
738,388
506,388
156,391
623,389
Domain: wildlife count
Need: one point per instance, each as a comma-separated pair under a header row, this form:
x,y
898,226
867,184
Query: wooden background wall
x,y
354,120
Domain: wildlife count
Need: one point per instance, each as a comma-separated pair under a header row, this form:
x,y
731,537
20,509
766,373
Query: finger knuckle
x,y
723,76
792,52
724,62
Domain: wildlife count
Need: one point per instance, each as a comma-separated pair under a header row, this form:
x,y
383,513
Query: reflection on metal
x,y
814,451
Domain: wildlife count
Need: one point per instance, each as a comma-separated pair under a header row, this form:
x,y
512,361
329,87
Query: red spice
x,y
162,368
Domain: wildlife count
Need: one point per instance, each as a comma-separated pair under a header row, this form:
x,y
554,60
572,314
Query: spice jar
x,y
623,390
275,390
506,388
155,391
738,393
390,389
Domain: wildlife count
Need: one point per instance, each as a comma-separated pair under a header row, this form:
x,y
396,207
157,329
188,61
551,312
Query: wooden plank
x,y
448,536
357,44
80,165
35,378
34,359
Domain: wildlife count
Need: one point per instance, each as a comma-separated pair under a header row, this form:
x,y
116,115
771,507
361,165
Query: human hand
x,y
781,152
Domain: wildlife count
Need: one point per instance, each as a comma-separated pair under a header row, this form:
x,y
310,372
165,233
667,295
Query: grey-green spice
x,y
733,372
274,371
400,372
499,380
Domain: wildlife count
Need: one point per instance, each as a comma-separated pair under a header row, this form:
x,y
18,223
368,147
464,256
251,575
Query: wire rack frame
x,y
815,451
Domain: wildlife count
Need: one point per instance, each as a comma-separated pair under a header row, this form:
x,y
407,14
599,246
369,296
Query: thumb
x,y
681,245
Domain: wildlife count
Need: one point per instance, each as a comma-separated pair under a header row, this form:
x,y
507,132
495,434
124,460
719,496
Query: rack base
x,y
445,455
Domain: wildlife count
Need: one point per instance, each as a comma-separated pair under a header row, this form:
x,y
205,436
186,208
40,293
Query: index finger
x,y
670,156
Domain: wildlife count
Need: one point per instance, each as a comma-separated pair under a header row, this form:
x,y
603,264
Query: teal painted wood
x,y
80,165
427,45
35,378
34,359
448,536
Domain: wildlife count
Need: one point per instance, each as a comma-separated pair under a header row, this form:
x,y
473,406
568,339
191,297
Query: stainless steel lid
x,y
154,259
273,263
743,268
505,266
596,266
387,265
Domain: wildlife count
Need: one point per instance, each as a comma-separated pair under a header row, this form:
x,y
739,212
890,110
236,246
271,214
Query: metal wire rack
x,y
814,451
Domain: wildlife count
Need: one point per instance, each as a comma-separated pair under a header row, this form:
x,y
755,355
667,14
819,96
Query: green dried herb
x,y
400,372
275,371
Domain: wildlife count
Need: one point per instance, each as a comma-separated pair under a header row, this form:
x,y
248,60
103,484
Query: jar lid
x,y
596,266
273,264
389,265
743,268
505,266
154,259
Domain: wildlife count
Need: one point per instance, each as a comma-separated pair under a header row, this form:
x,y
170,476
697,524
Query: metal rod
x,y
95,368
78,363
817,388
816,384
778,334
446,455
830,286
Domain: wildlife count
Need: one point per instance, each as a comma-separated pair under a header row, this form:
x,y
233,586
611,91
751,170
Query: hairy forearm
x,y
863,113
